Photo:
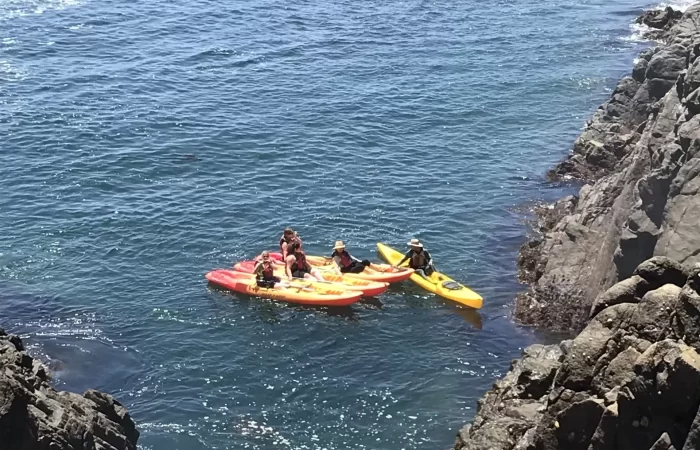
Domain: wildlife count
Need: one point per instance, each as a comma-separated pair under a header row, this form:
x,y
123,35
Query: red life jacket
x,y
284,240
345,259
300,263
268,270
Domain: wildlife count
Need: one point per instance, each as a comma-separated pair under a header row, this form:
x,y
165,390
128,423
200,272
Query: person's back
x,y
288,236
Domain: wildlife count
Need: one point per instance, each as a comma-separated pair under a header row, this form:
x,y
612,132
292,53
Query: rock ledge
x,y
629,381
34,416
640,157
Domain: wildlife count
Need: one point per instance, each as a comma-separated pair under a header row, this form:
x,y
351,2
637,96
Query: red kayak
x,y
367,287
298,291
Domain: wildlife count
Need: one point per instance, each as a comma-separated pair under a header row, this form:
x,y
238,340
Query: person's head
x,y
416,245
294,246
289,233
265,256
339,246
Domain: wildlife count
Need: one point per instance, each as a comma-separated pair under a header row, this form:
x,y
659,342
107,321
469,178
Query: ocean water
x,y
145,143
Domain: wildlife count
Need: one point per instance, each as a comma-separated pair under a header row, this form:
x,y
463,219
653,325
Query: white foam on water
x,y
640,32
8,72
680,5
10,9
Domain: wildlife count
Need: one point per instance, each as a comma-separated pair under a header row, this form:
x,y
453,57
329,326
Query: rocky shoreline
x,y
620,263
33,415
637,155
629,380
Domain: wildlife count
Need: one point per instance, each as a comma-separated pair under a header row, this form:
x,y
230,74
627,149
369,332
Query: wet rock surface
x,y
620,265
629,380
638,157
35,416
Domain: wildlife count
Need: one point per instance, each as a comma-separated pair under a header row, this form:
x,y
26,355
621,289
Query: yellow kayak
x,y
439,283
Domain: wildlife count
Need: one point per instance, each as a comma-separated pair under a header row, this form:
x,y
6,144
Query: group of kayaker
x,y
297,266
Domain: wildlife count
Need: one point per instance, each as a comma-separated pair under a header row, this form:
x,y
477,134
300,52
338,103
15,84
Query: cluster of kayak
x,y
339,289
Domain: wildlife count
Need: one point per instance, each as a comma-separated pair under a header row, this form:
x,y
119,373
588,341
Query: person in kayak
x,y
297,265
288,235
419,259
345,262
265,272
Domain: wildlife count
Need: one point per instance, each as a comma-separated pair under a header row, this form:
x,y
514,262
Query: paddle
x,y
389,269
372,266
329,259
299,286
426,277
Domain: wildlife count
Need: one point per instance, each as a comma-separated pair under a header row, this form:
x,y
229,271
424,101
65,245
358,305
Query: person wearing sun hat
x,y
418,259
345,262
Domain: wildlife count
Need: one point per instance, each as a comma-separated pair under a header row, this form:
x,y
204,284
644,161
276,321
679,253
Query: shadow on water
x,y
416,297
269,309
471,316
21,303
373,302
74,343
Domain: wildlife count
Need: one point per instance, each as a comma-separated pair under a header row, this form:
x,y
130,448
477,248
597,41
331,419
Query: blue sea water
x,y
145,143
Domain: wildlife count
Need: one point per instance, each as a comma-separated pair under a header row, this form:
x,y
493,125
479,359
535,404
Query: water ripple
x,y
147,143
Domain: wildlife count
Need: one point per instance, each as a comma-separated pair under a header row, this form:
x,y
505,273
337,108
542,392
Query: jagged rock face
x,y
640,154
629,381
658,19
34,416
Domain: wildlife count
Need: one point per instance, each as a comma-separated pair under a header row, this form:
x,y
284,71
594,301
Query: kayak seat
x,y
451,285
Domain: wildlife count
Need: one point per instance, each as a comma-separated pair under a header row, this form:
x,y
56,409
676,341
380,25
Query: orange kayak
x,y
299,292
367,287
375,272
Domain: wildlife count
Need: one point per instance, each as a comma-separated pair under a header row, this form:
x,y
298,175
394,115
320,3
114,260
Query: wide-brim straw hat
x,y
415,243
339,245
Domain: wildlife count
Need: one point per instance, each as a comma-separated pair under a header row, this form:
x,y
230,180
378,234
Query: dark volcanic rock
x,y
620,263
661,270
515,403
658,18
630,290
629,381
640,154
34,416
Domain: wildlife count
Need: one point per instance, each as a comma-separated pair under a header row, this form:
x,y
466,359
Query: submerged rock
x,y
33,415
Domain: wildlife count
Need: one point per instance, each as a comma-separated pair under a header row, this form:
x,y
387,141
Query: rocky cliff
x,y
639,155
34,416
621,261
629,381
